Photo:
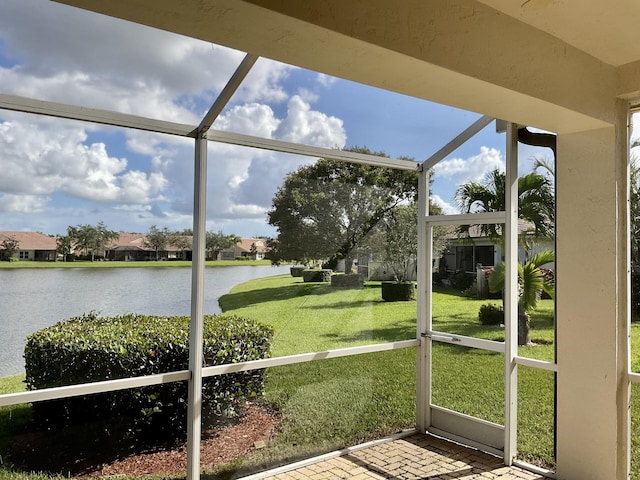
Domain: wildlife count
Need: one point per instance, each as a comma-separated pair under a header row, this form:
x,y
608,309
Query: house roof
x,y
31,240
135,241
245,244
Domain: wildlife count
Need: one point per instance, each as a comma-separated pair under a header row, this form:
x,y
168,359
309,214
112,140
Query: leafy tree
x,y
395,240
8,247
81,237
91,239
101,238
536,202
218,241
326,209
180,241
272,251
64,246
531,283
157,239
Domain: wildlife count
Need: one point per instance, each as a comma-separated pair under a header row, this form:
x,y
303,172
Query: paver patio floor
x,y
414,457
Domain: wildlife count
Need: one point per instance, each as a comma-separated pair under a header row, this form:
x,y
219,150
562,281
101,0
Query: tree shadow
x,y
233,301
398,331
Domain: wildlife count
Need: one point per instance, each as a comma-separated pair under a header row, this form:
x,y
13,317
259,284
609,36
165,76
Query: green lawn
x,y
330,404
373,395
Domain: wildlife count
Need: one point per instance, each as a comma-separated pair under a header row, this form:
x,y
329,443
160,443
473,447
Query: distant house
x,y
132,247
32,246
464,254
252,248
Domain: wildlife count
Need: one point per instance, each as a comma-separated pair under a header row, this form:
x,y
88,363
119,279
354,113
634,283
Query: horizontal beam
x,y
464,341
135,382
94,115
480,218
91,388
307,150
106,117
305,357
541,364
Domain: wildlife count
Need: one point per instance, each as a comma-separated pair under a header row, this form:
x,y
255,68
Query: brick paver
x,y
412,458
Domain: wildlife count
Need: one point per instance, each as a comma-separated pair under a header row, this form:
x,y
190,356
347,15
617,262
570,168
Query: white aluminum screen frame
x,y
424,333
202,134
478,432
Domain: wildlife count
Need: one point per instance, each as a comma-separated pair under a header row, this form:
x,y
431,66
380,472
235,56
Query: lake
x,y
31,299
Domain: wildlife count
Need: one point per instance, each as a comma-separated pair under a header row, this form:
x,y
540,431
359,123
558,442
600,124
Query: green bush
x,y
316,275
347,280
491,314
462,281
296,270
91,348
398,291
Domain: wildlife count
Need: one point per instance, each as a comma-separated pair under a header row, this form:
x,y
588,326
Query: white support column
x,y
423,326
592,303
511,296
194,409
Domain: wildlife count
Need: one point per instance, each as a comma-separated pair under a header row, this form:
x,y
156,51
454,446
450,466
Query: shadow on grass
x,y
398,331
232,301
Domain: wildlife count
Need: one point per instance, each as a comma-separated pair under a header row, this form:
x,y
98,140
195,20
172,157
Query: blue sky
x,y
56,173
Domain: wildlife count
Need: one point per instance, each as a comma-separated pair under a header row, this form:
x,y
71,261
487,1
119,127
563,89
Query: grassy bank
x,y
110,264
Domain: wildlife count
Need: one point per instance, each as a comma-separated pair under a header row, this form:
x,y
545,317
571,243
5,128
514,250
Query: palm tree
x,y
536,203
531,283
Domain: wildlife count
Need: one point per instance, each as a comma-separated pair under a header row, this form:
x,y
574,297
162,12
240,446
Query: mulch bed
x,y
44,451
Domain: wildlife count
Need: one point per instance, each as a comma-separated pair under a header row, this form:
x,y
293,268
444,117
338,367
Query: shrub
x,y
351,280
461,281
316,275
398,291
91,348
296,270
491,314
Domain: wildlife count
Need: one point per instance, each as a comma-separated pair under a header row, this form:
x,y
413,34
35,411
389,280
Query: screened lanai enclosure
x,y
527,69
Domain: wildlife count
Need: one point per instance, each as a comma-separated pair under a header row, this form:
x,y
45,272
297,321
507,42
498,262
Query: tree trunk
x,y
523,327
348,263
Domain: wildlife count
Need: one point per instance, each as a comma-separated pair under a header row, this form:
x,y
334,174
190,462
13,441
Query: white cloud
x,y
325,80
101,62
310,127
98,61
472,169
251,119
42,159
23,203
447,208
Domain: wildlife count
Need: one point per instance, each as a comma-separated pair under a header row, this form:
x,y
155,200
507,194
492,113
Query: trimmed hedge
x,y
296,270
349,280
91,348
316,275
398,291
490,314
